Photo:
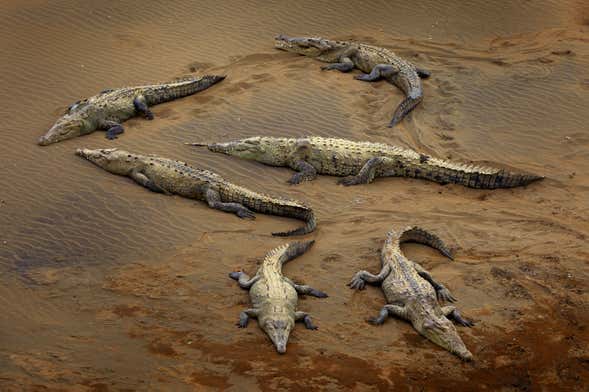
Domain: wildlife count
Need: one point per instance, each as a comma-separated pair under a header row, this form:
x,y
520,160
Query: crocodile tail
x,y
180,88
294,250
485,178
421,236
308,228
408,104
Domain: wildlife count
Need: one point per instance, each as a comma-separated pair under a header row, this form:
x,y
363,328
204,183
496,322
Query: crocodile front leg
x,y
245,316
213,198
306,290
243,279
345,65
362,277
305,318
379,71
142,179
141,107
453,314
112,128
441,291
392,310
306,172
368,171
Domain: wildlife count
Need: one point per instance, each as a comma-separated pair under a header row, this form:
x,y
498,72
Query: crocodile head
x,y
67,127
110,159
278,328
428,320
319,48
268,150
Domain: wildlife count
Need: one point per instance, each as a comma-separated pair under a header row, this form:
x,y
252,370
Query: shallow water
x,y
106,285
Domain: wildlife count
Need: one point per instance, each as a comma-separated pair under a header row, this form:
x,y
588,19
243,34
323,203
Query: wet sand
x,y
106,286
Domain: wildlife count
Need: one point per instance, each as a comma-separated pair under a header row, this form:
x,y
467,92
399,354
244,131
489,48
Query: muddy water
x,y
106,286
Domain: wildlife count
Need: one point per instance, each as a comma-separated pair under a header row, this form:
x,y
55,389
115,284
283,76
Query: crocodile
x,y
376,63
274,296
108,109
361,162
174,177
412,294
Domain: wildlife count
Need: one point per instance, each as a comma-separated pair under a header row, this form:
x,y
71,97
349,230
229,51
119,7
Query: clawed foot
x,y
246,214
465,322
347,181
149,116
318,294
296,179
242,323
363,77
357,283
375,321
309,324
445,295
111,136
235,275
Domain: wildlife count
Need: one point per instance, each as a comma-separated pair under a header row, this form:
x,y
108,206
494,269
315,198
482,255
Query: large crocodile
x,y
175,177
108,109
361,162
412,293
274,296
377,63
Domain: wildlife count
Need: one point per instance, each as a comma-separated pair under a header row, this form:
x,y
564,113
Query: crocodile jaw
x,y
278,330
64,128
443,333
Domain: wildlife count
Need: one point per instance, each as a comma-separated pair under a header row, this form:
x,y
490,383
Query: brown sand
x,y
106,286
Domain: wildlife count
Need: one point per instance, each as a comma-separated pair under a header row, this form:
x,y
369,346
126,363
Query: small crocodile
x,y
361,162
274,296
377,63
412,294
110,108
174,177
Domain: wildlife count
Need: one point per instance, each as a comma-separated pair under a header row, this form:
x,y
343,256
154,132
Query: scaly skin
x,y
412,294
274,296
377,63
175,177
108,109
361,162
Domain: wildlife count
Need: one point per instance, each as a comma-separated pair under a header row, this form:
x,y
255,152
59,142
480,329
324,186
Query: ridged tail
x,y
476,177
294,250
408,104
181,88
309,227
420,236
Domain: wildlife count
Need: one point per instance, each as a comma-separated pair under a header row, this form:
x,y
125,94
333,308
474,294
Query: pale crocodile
x,y
412,294
108,109
377,63
274,297
361,162
175,177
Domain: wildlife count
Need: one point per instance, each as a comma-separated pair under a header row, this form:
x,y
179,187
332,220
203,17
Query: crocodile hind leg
x,y
368,171
453,314
243,279
306,290
441,291
142,179
213,198
345,65
306,172
141,107
378,72
362,277
244,317
305,318
112,128
389,310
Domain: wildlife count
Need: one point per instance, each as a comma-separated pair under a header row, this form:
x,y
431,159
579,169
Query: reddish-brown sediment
x,y
106,286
